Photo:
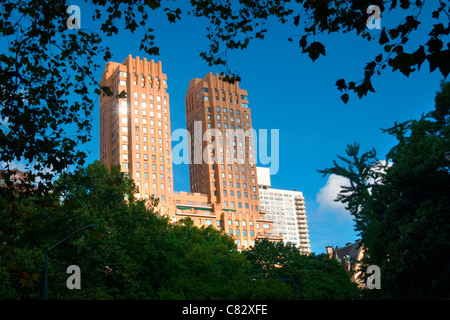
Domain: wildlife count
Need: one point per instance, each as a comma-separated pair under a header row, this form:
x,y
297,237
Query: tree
x,y
311,277
234,25
133,253
402,212
46,70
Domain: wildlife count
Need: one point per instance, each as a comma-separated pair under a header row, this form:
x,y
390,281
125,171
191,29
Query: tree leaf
x,y
314,50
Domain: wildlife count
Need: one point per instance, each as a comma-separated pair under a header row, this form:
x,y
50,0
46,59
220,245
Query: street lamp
x,y
90,226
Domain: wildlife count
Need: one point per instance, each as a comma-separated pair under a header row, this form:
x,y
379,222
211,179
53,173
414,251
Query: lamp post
x,y
447,156
90,226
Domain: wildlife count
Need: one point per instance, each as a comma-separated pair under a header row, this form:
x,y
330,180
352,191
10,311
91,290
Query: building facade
x,y
222,162
135,130
135,133
286,209
350,256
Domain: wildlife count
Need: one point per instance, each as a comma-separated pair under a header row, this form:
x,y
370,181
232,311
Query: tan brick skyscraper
x,y
222,159
135,131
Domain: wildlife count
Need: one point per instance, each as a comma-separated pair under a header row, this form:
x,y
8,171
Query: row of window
x,y
206,90
144,122
225,118
144,138
149,77
237,232
138,184
244,105
225,204
138,165
146,196
231,111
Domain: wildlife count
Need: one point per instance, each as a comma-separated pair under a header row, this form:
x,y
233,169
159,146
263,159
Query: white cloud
x,y
326,196
14,165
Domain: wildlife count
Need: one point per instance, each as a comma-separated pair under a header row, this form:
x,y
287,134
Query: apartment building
x,y
135,133
222,156
135,130
286,209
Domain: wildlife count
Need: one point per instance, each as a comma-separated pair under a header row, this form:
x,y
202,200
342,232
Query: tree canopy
x,y
311,277
401,206
133,253
46,71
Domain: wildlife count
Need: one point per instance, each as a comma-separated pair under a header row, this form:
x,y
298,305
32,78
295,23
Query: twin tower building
x,y
226,192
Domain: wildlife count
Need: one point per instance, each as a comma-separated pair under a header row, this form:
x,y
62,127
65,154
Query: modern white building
x,y
286,209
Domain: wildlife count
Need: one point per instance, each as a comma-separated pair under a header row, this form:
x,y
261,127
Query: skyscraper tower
x,y
135,133
222,155
135,130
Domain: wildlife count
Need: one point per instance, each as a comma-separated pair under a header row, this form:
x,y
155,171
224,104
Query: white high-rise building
x,y
286,209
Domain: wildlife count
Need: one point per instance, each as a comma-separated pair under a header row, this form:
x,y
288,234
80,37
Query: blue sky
x,y
289,92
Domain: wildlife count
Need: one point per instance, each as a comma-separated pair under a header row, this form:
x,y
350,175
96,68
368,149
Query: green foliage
x,y
311,277
133,253
402,210
47,71
234,26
